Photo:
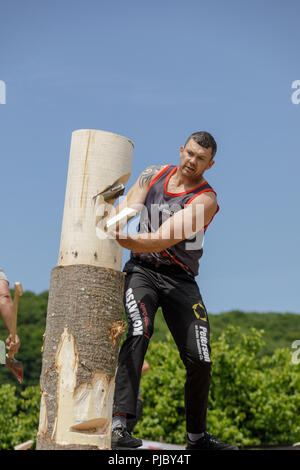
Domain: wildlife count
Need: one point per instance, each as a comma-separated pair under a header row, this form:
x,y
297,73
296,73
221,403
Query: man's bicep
x,y
177,227
136,195
147,175
188,221
205,207
138,192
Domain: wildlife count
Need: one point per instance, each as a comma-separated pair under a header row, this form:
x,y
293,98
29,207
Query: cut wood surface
x,y
24,446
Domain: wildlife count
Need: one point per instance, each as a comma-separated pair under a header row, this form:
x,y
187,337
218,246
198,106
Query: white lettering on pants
x,y
202,342
134,313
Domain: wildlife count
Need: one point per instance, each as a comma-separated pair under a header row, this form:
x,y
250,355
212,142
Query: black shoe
x,y
209,442
121,438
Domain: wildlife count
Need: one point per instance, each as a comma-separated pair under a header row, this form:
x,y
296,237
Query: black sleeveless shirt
x,y
158,207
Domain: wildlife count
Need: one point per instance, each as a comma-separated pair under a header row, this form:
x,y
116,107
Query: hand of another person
x,y
13,346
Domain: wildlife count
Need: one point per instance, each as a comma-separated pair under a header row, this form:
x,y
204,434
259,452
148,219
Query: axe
x,y
112,192
11,363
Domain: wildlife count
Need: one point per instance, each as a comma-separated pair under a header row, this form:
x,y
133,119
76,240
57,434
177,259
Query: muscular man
x,y
178,205
6,312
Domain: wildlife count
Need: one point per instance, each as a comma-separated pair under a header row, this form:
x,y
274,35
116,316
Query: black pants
x,y
178,295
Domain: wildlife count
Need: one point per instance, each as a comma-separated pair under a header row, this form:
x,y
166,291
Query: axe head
x,y
112,192
16,367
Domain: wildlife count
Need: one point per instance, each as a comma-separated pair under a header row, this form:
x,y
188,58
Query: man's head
x,y
197,155
205,139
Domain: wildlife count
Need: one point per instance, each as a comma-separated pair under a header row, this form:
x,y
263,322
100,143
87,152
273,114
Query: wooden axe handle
x,y
17,295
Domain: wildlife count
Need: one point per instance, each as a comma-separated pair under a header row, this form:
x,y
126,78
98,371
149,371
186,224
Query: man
x,y
178,205
6,312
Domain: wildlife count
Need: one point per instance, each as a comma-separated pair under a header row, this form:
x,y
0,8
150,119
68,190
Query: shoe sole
x,y
125,448
226,448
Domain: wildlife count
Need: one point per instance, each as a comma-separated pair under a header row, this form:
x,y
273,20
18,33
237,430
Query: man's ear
x,y
211,163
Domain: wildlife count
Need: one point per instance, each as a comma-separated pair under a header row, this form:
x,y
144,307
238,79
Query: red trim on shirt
x,y
217,210
172,257
205,227
158,175
184,192
198,194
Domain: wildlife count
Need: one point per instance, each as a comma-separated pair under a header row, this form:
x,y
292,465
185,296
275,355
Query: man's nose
x,y
192,160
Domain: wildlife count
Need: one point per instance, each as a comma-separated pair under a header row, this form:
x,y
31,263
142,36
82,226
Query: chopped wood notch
x,y
99,425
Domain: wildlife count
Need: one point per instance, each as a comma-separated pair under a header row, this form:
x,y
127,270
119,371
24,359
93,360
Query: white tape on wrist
x,y
127,212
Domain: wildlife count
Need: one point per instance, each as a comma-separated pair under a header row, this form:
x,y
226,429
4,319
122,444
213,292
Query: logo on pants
x,y
202,343
134,313
200,311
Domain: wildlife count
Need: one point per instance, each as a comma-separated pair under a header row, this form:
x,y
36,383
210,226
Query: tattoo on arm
x,y
147,174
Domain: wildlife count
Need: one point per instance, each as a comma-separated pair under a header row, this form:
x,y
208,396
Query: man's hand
x,y
13,346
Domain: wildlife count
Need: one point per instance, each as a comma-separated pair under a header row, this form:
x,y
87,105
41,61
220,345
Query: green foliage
x,y
19,415
254,395
281,329
253,400
262,394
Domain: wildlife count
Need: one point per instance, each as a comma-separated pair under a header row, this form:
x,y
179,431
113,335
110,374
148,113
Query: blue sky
x,y
155,72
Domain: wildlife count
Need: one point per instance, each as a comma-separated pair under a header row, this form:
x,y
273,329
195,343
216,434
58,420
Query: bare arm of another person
x,y
6,312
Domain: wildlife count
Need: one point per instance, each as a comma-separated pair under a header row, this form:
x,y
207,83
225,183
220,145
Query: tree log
x,y
98,160
84,318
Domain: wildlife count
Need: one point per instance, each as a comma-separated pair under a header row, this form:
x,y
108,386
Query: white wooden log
x,y
97,160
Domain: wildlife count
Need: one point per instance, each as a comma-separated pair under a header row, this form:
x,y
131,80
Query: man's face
x,y
195,159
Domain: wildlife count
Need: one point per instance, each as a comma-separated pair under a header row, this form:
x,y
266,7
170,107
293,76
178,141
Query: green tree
x,y
253,400
19,415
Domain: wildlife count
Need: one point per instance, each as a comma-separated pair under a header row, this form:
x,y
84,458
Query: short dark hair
x,y
205,139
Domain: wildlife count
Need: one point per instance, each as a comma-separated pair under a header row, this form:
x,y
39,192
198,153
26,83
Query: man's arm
x,y
6,312
181,226
136,196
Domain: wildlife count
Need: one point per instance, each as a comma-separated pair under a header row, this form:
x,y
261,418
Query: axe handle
x,y
18,293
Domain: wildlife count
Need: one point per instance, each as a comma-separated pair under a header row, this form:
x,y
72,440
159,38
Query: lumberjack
x,y
161,272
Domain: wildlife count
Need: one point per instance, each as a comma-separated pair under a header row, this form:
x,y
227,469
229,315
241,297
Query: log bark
x,y
84,318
